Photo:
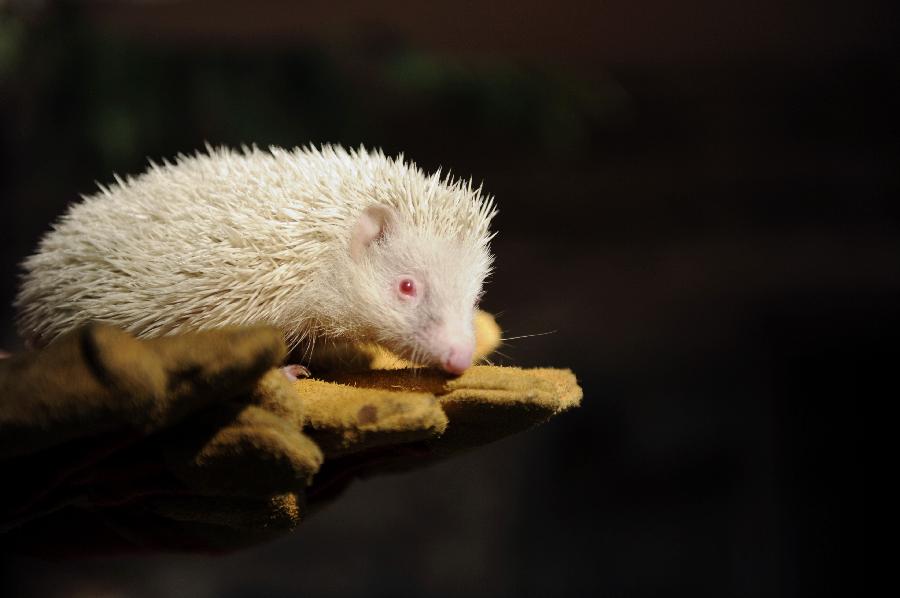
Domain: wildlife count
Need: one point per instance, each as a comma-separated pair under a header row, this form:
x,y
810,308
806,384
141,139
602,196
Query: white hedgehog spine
x,y
242,237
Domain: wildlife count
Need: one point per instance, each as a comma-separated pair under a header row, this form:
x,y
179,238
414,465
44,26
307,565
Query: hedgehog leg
x,y
295,372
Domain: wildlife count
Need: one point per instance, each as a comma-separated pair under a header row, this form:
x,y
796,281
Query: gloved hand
x,y
192,442
99,429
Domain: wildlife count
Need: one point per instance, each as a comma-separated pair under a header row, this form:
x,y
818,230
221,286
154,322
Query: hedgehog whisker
x,y
512,338
502,354
415,361
310,348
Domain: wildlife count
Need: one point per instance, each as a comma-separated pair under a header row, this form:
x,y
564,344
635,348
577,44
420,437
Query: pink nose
x,y
458,359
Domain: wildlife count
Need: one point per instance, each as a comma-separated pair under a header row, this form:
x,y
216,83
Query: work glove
x,y
198,442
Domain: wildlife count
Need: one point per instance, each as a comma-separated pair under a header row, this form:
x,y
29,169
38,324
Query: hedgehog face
x,y
417,292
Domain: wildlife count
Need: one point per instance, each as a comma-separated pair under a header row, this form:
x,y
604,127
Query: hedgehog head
x,y
416,284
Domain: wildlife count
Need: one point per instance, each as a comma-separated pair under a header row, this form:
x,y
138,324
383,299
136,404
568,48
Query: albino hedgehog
x,y
324,243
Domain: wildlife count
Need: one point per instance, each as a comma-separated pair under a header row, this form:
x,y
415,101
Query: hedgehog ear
x,y
371,226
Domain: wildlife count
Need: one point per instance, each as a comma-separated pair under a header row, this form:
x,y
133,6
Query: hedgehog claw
x,y
295,372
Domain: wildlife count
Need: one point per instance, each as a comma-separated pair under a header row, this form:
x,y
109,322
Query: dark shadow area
x,y
701,205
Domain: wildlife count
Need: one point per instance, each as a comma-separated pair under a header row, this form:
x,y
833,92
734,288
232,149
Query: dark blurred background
x,y
700,197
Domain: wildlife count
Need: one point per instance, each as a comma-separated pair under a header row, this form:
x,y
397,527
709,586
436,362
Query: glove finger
x,y
72,389
242,449
200,524
487,335
482,405
486,403
276,394
214,364
248,452
344,419
99,377
275,513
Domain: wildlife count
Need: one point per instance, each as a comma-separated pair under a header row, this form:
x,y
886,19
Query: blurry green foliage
x,y
546,106
11,34
92,101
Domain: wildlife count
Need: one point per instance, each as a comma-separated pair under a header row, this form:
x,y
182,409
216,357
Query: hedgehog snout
x,y
458,358
454,350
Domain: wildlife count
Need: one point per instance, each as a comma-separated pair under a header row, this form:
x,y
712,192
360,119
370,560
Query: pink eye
x,y
407,287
